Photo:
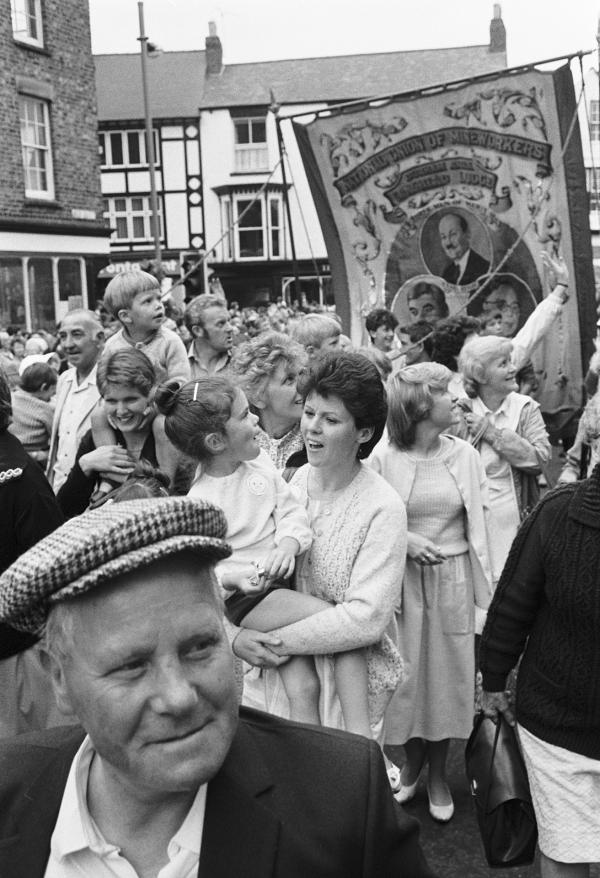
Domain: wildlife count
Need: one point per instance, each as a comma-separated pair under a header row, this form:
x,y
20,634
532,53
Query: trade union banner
x,y
442,202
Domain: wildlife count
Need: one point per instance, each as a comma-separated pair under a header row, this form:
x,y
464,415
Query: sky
x,y
263,30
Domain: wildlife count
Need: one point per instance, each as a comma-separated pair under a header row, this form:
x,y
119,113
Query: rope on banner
x,y
381,100
593,184
304,223
227,232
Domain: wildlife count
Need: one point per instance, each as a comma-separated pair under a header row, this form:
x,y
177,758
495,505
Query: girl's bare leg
x,y
301,683
103,433
352,688
299,676
282,607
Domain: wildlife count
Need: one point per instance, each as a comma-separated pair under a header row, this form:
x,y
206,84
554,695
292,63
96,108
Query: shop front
x,y
44,276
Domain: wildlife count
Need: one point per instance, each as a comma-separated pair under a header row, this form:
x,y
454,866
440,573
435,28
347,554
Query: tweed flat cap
x,y
93,548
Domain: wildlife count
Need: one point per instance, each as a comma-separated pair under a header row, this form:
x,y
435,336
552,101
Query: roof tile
x,y
175,84
345,78
178,85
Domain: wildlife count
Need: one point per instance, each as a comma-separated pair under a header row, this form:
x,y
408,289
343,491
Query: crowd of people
x,y
381,513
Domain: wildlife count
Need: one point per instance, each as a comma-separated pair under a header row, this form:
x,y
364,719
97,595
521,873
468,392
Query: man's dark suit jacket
x,y
289,802
475,267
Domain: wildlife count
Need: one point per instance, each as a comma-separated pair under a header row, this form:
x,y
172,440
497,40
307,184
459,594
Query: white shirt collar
x,y
462,263
480,407
76,830
88,381
510,408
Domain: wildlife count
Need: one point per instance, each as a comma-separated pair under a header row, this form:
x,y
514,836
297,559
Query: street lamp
x,y
143,39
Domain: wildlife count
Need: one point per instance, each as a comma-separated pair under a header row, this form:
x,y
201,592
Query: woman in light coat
x,y
508,430
447,583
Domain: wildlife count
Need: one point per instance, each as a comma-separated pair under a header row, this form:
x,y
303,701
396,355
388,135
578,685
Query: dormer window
x,y
251,152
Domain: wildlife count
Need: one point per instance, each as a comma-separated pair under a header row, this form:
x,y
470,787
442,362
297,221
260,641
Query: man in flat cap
x,y
165,778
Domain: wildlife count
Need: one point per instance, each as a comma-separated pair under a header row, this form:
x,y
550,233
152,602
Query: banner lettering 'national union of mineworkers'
x,y
440,203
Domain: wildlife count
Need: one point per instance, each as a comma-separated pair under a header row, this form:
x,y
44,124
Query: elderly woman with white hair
x,y
508,430
447,577
267,369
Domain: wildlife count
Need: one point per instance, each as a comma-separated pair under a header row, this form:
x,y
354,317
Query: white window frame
x,y
594,120
44,149
593,188
265,201
112,213
275,199
107,161
254,155
23,13
227,229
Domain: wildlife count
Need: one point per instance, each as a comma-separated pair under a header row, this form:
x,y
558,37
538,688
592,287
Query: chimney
x,y
497,31
214,51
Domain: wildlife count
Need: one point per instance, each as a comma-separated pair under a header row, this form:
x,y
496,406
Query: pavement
x,y
454,849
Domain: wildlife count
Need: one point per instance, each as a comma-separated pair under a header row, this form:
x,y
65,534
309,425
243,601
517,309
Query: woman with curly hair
x,y
267,369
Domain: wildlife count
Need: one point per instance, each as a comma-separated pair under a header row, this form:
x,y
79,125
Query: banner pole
x,y
274,108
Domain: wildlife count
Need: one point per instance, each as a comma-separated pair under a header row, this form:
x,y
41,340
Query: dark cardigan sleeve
x,y
74,495
518,597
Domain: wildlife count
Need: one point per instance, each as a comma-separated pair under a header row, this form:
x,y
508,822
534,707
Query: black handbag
x,y
501,794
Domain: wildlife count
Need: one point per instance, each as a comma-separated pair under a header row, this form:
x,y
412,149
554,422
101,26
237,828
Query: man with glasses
x,y
503,299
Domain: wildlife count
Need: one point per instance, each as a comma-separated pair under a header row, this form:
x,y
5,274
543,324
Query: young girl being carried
x,y
210,421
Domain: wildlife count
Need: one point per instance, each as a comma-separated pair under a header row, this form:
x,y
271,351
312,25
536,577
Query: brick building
x,y
53,239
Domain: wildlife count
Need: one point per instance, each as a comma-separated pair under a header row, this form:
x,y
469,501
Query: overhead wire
x,y
227,231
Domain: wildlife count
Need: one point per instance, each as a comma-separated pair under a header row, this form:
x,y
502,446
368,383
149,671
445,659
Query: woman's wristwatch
x,y
563,293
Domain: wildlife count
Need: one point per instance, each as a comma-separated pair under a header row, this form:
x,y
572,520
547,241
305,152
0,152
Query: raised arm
x,y
539,322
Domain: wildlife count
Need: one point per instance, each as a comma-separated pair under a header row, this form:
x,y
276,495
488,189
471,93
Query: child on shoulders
x,y
134,299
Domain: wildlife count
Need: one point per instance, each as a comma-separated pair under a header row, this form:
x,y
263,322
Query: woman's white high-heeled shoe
x,y
393,773
441,813
406,792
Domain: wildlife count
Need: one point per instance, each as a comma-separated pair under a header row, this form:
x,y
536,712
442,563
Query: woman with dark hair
x,y
356,561
447,578
267,369
447,341
126,380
